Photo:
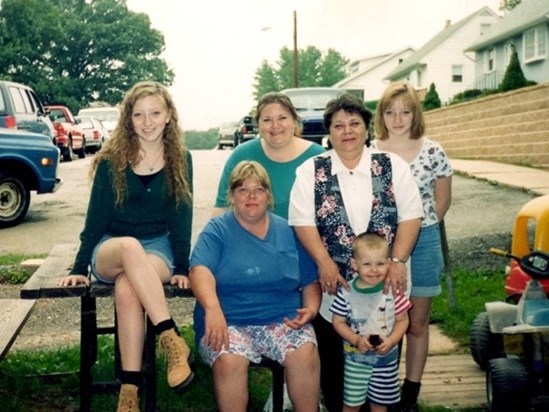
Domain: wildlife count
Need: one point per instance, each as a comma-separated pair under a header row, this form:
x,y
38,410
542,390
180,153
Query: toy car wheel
x,y
506,385
484,344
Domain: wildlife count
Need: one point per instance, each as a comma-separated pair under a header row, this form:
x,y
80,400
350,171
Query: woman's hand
x,y
329,277
216,334
304,316
73,280
181,281
396,278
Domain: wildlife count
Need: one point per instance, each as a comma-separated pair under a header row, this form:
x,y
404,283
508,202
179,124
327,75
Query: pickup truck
x,y
245,130
28,161
310,103
69,135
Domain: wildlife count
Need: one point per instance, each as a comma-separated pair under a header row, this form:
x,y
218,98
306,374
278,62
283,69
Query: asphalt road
x,y
478,207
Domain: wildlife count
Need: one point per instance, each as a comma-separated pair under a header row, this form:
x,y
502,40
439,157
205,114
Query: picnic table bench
x,y
43,284
13,316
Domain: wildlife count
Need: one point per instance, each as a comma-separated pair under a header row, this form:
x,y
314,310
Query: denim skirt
x,y
427,263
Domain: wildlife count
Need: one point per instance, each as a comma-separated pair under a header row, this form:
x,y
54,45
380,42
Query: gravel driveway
x,y
481,217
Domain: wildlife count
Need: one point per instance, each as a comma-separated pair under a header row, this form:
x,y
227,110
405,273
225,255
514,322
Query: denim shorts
x,y
159,246
427,263
273,341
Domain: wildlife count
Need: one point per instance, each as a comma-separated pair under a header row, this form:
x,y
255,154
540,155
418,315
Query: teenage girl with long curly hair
x,y
138,229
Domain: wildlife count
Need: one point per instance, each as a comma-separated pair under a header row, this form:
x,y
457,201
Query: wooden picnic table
x,y
43,284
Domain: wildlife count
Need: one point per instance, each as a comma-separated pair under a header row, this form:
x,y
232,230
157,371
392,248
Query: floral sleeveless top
x,y
331,217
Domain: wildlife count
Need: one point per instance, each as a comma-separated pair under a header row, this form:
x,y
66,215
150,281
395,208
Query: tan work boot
x,y
128,400
179,371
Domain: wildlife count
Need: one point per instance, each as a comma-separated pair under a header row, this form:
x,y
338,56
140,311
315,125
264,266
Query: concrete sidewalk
x,y
533,180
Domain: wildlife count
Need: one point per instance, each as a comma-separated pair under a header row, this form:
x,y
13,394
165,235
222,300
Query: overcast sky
x,y
215,46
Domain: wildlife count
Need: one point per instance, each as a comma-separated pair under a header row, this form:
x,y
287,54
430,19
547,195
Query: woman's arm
x,y
405,239
328,271
216,333
443,196
311,296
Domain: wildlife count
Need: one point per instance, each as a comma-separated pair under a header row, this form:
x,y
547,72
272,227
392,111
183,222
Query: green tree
x,y
332,68
314,69
80,51
514,77
432,101
266,80
508,5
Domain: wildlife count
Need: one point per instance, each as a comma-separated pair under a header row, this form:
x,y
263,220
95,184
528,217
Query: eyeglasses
x,y
247,191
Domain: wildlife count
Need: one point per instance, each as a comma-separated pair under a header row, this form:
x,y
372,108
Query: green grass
x,y
48,380
472,290
10,272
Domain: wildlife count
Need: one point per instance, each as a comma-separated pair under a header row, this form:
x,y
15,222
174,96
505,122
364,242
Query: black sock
x,y
410,392
166,325
131,377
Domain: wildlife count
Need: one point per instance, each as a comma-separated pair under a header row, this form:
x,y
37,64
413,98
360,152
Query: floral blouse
x,y
430,164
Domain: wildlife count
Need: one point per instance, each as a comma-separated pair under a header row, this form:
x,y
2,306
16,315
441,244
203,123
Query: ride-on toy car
x,y
530,232
519,379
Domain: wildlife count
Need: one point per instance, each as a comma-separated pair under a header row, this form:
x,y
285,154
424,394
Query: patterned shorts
x,y
273,341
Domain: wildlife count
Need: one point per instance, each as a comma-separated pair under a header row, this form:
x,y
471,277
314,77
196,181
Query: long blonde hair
x,y
122,150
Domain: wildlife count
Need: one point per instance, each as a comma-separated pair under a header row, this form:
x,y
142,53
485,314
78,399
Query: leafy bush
x,y
432,100
514,77
201,140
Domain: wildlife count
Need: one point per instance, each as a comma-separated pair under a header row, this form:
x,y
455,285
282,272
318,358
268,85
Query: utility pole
x,y
296,62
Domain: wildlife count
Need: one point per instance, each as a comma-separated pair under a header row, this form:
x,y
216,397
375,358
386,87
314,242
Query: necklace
x,y
150,168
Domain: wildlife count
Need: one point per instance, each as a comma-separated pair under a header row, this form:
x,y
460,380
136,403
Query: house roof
x,y
527,14
378,62
416,59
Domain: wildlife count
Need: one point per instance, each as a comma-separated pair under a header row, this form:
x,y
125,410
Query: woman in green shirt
x,y
138,229
279,150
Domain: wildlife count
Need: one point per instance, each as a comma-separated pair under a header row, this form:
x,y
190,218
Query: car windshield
x,y
311,99
104,115
86,123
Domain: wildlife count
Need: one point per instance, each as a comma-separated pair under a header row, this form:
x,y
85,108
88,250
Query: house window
x,y
507,53
484,27
535,43
490,60
457,74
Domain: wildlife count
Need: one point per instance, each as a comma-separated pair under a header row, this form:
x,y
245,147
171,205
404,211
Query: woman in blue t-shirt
x,y
256,291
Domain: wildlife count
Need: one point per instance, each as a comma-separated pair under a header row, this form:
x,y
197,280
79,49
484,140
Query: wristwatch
x,y
398,260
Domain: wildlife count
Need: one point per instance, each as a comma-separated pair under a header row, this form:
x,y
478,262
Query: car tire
x,y
507,385
67,153
82,151
14,200
484,344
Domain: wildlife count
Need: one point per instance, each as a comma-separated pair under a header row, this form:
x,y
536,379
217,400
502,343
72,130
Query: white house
x,y
443,60
527,28
367,74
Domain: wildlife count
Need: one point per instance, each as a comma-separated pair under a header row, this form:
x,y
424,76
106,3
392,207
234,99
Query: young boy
x,y
371,324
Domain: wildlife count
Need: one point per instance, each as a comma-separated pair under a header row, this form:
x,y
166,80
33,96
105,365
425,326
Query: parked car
x,y
20,108
226,134
107,115
69,136
28,161
310,103
245,130
95,132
